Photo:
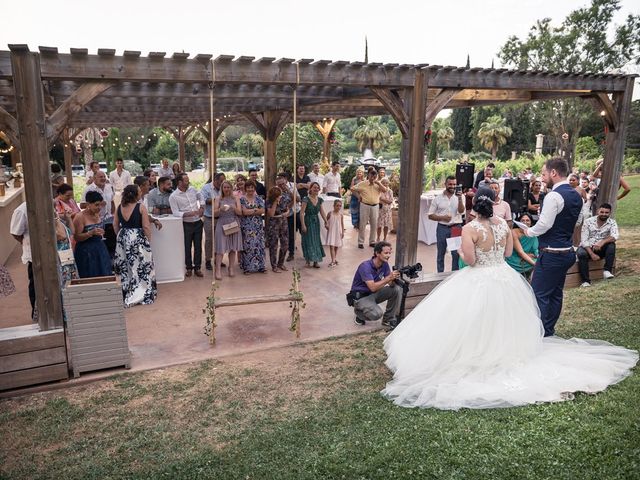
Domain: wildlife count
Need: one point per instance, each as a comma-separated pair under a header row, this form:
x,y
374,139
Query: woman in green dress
x,y
525,249
310,225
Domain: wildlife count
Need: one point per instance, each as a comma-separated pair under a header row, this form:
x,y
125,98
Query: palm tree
x,y
443,131
493,133
371,134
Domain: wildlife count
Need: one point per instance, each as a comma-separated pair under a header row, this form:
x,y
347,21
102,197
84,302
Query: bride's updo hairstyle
x,y
483,202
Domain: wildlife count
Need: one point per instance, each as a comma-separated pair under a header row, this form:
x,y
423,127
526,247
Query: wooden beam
x,y
257,120
438,103
601,103
411,169
394,105
9,125
68,155
33,140
72,106
614,149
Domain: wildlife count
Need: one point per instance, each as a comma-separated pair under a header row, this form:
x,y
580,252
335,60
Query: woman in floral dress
x,y
385,218
133,260
252,228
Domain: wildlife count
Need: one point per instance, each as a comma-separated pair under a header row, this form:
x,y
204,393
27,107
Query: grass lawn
x,y
314,411
628,213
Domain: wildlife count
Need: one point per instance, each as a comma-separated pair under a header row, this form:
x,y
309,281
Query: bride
x,y
477,340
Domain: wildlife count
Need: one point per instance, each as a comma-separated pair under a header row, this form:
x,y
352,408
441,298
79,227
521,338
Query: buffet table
x,y
11,200
427,228
167,246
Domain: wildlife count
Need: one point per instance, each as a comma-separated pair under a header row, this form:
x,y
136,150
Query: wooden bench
x,y
595,273
421,287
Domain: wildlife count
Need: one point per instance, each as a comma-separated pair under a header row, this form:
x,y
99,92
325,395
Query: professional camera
x,y
410,271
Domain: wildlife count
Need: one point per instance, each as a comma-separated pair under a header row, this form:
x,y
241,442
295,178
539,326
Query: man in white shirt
x,y
598,240
165,170
210,191
187,203
447,210
93,168
19,229
316,176
120,177
107,211
332,184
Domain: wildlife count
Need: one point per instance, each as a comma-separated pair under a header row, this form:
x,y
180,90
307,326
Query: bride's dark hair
x,y
483,202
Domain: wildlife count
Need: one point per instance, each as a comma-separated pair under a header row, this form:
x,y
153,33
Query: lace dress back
x,y
489,248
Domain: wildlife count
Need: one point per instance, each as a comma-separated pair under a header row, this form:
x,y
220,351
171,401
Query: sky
x,y
400,31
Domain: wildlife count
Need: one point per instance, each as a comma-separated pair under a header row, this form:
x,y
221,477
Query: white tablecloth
x,y
167,246
427,228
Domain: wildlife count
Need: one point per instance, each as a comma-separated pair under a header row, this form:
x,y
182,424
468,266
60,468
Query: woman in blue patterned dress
x,y
252,228
133,260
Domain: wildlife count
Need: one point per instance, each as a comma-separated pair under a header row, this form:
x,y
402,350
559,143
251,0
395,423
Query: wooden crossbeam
x,y
394,105
438,103
9,125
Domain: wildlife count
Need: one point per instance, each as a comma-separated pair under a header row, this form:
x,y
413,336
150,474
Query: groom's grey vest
x,y
560,235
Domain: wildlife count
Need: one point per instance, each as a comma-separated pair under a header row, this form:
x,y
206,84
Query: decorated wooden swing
x,y
295,296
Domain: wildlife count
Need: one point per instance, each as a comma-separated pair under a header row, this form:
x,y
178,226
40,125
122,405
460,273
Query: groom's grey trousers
x,y
367,308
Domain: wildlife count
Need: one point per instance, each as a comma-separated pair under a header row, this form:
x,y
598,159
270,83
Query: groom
x,y
554,230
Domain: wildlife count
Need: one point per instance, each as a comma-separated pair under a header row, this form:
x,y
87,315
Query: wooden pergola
x,y
44,94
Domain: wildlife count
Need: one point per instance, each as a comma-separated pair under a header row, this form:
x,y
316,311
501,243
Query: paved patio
x,y
171,330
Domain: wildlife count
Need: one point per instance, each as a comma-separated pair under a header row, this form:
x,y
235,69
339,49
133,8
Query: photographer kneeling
x,y
373,283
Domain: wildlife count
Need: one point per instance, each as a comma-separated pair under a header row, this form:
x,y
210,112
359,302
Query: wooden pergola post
x,y
615,142
33,140
269,125
68,155
411,168
325,126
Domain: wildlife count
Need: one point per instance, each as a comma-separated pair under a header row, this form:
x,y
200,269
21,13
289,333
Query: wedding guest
x,y
260,189
336,231
534,201
278,206
315,175
210,191
94,167
354,203
57,178
525,249
599,236
175,171
133,260
144,185
369,192
65,229
119,178
238,190
310,225
151,174
64,203
91,254
106,191
290,195
187,203
302,181
158,198
385,218
446,209
19,229
501,208
252,227
227,209
483,174
332,183
165,170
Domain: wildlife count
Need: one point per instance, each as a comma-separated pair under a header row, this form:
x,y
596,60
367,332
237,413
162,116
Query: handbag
x,y
66,257
231,228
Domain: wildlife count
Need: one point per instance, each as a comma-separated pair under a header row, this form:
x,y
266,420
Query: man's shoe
x,y
359,321
386,322
188,273
289,258
585,284
208,266
360,245
607,275
198,273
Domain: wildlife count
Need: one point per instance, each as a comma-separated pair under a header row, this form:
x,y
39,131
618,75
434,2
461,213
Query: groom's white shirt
x,y
553,205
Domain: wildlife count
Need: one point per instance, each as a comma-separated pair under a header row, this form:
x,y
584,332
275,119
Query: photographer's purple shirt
x,y
368,271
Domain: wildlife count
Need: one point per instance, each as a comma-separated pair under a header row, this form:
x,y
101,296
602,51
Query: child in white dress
x,y
336,231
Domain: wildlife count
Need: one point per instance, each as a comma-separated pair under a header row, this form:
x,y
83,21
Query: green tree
x,y
444,132
308,149
494,133
371,133
586,41
461,124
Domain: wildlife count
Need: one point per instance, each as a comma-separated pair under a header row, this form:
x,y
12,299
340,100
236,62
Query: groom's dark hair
x,y
558,164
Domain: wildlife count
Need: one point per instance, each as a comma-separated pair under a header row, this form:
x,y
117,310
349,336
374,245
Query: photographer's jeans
x,y
367,308
442,233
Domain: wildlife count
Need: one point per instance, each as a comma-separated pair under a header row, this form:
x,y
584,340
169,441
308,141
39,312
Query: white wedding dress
x,y
477,342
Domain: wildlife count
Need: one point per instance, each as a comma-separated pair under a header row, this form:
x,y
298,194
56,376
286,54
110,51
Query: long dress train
x,y
488,351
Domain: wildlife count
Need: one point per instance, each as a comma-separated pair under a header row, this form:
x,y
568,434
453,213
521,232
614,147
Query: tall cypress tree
x,y
461,124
